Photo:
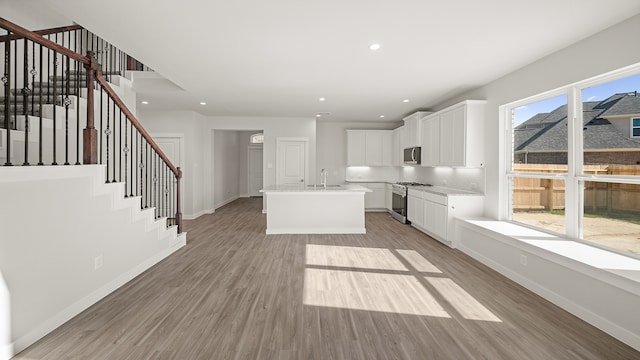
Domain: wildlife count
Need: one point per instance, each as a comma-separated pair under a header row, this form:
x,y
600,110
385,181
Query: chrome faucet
x,y
323,178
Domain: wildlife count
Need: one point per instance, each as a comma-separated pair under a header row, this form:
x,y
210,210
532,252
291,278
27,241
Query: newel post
x,y
178,211
90,134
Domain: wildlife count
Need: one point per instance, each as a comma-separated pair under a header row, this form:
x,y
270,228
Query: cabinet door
x,y
376,198
431,141
412,209
415,210
446,136
441,220
373,148
398,146
387,148
355,147
458,137
435,219
388,197
411,132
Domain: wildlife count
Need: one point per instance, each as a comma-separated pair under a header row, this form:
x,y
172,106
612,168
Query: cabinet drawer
x,y
438,199
416,193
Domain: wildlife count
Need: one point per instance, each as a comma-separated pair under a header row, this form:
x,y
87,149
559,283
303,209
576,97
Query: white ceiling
x,y
278,57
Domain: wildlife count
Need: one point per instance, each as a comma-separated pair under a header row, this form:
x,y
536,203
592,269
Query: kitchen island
x,y
315,209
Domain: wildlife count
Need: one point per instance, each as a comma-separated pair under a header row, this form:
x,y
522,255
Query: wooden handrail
x,y
116,99
43,32
5,24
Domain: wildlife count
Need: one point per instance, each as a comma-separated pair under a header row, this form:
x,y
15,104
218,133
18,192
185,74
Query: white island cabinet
x,y
314,209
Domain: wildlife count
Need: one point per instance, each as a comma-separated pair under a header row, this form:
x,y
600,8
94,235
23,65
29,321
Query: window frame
x,y
634,127
575,178
253,136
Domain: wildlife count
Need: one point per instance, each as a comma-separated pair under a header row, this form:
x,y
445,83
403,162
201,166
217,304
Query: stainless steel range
x,y
399,200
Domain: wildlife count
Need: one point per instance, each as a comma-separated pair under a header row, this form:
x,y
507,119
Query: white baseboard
x,y
317,231
198,214
84,303
227,201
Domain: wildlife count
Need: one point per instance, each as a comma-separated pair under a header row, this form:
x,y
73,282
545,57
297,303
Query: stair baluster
x,y
157,181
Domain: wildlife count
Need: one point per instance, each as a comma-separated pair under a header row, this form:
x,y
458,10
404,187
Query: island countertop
x,y
315,188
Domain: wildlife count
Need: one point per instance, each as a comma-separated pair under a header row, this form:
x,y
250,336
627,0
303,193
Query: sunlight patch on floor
x,y
401,294
362,280
461,300
353,257
418,261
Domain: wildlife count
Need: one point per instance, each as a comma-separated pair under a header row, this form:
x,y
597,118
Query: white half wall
x,y
68,240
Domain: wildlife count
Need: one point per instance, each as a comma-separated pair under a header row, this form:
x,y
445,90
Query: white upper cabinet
x,y
412,125
431,141
355,147
369,147
397,145
454,136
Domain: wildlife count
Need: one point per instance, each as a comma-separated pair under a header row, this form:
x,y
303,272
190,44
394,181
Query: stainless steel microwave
x,y
412,155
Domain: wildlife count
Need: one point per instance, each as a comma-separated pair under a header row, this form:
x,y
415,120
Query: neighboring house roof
x,y
599,133
626,105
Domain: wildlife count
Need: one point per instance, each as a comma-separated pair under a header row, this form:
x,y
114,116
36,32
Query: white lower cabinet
x,y
415,210
376,199
434,213
388,197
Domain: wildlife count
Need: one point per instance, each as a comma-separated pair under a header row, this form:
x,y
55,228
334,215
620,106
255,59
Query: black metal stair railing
x,y
46,87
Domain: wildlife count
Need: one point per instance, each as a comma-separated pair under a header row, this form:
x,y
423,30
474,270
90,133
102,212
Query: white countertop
x,y
443,190
315,188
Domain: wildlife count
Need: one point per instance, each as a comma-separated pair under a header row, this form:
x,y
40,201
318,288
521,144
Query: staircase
x,y
89,200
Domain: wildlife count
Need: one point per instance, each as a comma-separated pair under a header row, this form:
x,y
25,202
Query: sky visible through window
x,y
595,93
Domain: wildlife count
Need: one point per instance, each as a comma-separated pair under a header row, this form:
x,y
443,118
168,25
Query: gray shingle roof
x,y
626,105
599,133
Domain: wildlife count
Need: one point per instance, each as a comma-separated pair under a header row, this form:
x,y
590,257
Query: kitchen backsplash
x,y
373,173
471,179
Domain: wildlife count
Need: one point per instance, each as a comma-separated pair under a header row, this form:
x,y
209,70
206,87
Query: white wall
x,y
47,250
243,151
606,51
32,15
185,123
332,153
226,166
199,135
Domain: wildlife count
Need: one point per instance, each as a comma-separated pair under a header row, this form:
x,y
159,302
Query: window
x,y
635,127
257,138
574,162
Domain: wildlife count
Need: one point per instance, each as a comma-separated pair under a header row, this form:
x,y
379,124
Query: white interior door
x,y
255,172
291,165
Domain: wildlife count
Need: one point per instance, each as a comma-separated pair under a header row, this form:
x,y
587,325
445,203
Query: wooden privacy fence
x,y
548,194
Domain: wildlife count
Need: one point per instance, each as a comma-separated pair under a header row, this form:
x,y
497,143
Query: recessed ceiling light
x,y
322,99
381,116
203,103
144,102
374,46
405,100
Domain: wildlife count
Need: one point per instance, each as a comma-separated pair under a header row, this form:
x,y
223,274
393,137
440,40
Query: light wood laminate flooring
x,y
235,293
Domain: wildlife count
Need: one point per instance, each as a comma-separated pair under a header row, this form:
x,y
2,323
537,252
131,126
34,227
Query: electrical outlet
x,y
523,260
97,262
